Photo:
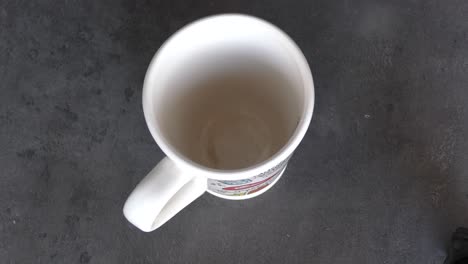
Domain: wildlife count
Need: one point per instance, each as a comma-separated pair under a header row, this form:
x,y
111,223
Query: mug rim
x,y
288,148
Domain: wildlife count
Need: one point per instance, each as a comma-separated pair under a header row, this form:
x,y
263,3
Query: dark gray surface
x,y
381,176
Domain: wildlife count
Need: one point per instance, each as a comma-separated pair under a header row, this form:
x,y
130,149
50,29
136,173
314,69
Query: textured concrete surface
x,y
381,176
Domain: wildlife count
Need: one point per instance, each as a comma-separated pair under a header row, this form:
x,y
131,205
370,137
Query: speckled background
x,y
381,176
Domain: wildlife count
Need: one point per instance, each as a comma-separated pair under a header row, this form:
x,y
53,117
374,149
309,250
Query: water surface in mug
x,y
233,120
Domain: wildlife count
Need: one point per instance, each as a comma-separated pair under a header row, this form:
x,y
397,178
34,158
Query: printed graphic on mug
x,y
247,186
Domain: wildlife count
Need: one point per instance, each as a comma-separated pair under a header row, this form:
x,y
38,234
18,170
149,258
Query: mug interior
x,y
225,94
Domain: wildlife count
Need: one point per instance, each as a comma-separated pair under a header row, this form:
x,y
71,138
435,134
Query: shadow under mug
x,y
227,98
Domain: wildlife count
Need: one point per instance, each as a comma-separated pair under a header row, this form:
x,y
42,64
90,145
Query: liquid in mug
x,y
233,120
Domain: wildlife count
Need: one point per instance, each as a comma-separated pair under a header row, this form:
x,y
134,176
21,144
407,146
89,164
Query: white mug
x,y
231,136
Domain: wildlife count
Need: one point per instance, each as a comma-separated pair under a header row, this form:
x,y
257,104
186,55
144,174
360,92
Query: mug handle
x,y
162,194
